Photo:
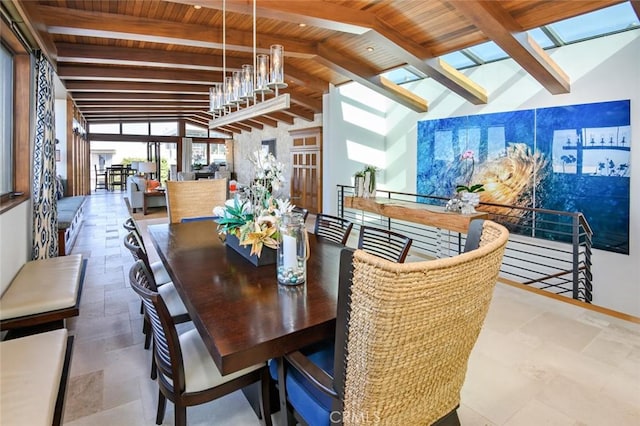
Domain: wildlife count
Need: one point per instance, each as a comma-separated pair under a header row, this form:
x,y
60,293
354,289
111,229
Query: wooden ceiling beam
x,y
494,21
306,101
30,24
76,72
281,116
67,21
313,13
116,86
266,120
369,77
87,105
318,14
305,79
113,55
80,97
300,112
421,59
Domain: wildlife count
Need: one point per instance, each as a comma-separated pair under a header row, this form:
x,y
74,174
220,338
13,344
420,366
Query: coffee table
x,y
147,195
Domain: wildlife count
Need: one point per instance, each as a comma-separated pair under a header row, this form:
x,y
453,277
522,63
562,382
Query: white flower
x,y
283,207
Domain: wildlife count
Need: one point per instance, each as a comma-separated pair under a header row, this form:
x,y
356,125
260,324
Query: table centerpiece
x,y
249,221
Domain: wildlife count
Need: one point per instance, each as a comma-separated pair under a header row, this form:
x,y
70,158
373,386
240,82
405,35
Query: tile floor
x,y
538,361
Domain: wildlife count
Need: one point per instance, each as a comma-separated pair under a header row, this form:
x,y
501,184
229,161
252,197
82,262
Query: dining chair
x,y
187,375
165,287
194,198
101,178
333,228
384,243
130,225
398,355
133,242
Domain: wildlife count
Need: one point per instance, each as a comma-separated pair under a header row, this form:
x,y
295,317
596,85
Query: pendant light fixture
x,y
235,99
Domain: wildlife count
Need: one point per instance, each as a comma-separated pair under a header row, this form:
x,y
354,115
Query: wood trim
x,y
23,95
414,212
588,306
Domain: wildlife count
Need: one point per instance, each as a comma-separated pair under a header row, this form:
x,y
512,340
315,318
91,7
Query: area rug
x,y
152,212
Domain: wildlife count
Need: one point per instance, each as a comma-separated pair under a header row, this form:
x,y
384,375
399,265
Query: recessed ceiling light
x,y
370,49
197,6
302,25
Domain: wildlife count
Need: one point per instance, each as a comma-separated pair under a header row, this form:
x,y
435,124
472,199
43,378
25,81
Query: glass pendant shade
x,y
212,99
246,87
276,74
262,74
216,96
228,91
237,83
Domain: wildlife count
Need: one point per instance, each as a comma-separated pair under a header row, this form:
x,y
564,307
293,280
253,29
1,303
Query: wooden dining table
x,y
243,315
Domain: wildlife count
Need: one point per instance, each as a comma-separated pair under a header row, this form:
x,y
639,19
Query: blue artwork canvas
x,y
573,158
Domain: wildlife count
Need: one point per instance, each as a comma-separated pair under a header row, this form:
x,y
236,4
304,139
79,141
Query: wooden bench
x,y
34,373
42,295
70,217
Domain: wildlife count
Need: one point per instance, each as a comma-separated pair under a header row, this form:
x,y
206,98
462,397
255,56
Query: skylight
x,y
596,24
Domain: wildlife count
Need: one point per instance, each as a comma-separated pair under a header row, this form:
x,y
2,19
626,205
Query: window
x,y
164,128
6,121
195,131
16,72
135,128
105,128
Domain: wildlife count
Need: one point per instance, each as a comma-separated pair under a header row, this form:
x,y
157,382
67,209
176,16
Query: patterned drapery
x,y
45,211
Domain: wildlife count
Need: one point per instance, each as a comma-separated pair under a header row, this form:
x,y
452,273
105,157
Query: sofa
x,y
136,185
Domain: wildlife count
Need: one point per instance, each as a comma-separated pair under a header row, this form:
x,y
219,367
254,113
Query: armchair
x,y
136,185
404,334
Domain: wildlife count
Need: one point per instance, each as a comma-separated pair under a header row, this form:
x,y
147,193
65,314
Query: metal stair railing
x,y
547,249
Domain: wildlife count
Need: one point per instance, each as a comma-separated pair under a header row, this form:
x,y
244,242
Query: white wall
x,y
14,239
603,69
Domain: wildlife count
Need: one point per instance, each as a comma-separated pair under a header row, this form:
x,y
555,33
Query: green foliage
x,y
474,188
234,218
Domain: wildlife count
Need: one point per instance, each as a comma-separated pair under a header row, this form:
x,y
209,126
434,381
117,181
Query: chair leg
x,y
282,390
180,415
265,397
162,405
154,367
146,329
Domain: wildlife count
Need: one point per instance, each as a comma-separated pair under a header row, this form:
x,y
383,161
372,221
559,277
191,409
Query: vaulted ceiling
x,y
135,60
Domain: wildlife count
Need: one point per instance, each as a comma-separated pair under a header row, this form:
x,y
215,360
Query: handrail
x,y
547,249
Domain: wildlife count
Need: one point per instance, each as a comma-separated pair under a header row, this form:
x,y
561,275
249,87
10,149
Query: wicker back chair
x,y
194,198
333,228
187,375
404,334
384,243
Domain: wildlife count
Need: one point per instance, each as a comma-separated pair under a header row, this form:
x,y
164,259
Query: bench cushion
x,y
41,286
67,209
30,374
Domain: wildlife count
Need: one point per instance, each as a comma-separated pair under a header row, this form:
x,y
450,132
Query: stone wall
x,y
246,143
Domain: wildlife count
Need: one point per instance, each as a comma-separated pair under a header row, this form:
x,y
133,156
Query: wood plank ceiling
x,y
137,60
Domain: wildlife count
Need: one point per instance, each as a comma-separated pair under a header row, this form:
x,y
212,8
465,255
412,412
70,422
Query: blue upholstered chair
x,y
400,356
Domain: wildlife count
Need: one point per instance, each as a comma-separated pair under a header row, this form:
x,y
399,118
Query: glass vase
x,y
293,250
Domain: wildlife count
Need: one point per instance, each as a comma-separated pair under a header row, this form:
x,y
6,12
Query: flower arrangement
x,y
253,214
468,155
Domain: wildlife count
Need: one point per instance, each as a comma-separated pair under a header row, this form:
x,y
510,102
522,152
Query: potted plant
x,y
369,181
359,183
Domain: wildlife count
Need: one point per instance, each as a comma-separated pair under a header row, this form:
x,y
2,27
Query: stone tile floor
x,y
538,361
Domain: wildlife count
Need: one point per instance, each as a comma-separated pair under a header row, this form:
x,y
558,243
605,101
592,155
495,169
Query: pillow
x,y
152,185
